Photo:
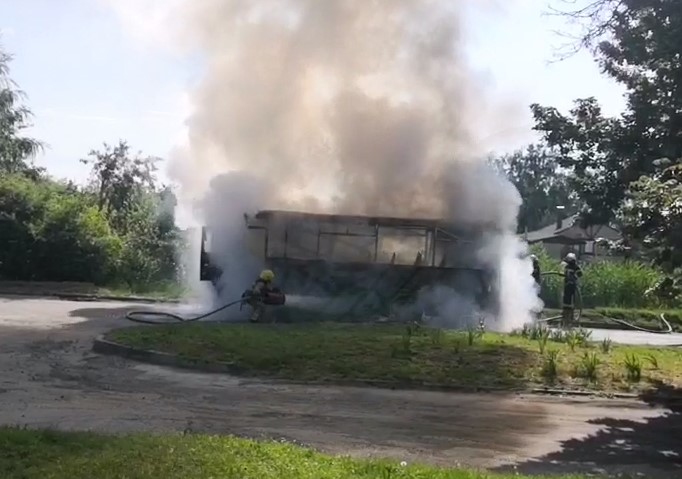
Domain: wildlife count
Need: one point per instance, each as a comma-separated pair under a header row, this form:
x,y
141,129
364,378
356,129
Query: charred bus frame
x,y
444,252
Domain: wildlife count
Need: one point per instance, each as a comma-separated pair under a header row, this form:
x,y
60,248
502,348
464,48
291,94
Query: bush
x,y
80,233
119,228
54,232
604,283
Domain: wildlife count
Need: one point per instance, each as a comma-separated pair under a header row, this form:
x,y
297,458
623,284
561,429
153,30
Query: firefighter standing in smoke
x,y
537,274
261,287
571,273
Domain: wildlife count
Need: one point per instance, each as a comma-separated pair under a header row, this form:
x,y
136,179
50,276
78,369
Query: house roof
x,y
567,233
550,231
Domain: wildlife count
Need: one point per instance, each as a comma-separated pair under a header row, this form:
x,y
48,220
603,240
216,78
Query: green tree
x,y
587,145
141,214
20,203
639,44
120,179
620,164
150,245
121,229
80,233
654,218
39,218
15,149
541,183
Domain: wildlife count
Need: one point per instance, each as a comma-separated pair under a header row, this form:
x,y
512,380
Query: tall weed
x,y
618,284
550,369
633,367
588,366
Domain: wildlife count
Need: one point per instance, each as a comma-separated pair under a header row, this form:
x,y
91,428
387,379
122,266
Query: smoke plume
x,y
353,106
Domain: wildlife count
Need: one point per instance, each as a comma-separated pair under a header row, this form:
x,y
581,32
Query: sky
x,y
98,71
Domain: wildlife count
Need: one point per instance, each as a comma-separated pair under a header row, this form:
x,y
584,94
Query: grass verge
x,y
59,455
414,355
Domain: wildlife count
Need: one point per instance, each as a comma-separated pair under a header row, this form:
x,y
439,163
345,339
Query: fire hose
x,y
273,298
141,316
667,328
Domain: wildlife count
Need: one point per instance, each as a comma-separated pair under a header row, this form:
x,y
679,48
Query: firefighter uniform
x,y
572,272
261,287
537,275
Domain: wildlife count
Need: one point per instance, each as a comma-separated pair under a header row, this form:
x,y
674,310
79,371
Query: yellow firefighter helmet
x,y
267,275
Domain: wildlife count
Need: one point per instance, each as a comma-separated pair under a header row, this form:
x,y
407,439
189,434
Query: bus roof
x,y
385,221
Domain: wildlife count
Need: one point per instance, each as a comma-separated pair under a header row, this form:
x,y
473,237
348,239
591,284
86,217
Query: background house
x,y
566,235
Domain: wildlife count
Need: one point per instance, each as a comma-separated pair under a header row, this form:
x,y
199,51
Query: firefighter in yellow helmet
x,y
261,287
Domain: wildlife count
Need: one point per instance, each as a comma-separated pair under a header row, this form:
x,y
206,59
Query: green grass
x,y
158,291
59,455
403,356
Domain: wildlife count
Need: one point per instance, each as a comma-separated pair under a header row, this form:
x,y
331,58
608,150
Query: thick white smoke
x,y
348,106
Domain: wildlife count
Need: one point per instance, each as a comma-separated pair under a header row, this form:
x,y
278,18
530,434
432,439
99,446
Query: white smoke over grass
x,y
354,106
518,296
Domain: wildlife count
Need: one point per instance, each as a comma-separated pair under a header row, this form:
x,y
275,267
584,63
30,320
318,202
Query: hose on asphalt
x,y
144,317
666,327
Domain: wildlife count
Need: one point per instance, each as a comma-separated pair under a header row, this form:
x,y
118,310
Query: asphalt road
x,y
637,337
50,378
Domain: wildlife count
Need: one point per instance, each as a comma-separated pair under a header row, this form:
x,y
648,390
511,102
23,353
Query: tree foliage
x,y
625,167
121,229
654,217
15,149
542,185
50,232
120,179
41,217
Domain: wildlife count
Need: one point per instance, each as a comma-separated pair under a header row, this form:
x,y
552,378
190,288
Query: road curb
x,y
102,345
90,297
